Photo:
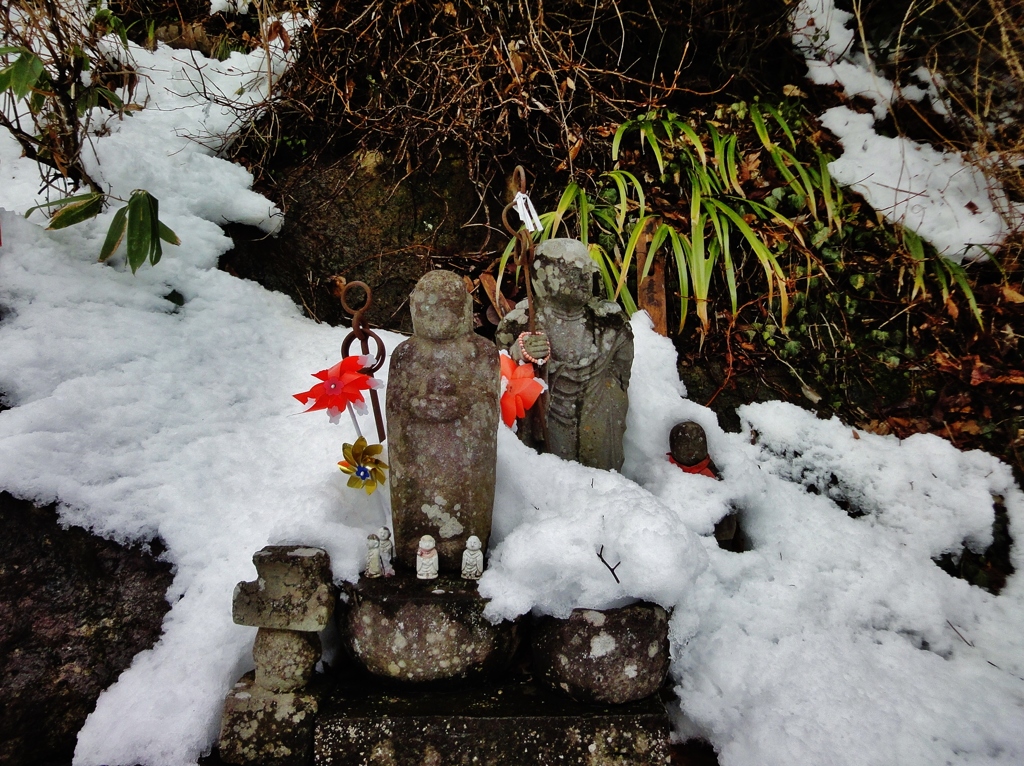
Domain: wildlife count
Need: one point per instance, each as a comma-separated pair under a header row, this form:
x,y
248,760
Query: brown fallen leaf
x,y
1012,295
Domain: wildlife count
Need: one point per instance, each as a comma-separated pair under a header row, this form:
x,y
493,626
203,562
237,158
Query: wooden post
x,y
651,292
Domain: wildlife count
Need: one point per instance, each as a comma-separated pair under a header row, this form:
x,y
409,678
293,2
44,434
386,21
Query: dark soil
x,y
74,610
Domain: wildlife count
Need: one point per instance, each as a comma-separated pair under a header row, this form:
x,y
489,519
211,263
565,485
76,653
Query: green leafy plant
x,y
943,269
722,219
54,75
139,218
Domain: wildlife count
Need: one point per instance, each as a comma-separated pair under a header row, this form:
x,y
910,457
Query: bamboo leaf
x,y
59,202
77,212
114,234
167,235
140,229
24,73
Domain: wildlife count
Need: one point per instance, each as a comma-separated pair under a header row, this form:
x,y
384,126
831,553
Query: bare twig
x,y
600,555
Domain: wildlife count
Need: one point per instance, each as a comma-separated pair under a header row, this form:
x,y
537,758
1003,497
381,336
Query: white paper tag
x,y
527,213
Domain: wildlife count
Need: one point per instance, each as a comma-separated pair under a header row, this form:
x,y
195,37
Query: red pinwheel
x,y
342,385
519,389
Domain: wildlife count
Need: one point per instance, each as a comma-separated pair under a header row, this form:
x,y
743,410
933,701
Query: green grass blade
x,y
583,211
564,202
960,277
782,124
627,258
652,139
624,128
694,139
915,247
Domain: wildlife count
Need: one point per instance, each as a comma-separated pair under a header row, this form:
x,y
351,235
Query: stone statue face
x,y
473,543
384,534
427,543
440,306
563,272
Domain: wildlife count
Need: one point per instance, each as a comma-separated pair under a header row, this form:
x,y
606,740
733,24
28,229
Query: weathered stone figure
x,y
442,410
591,346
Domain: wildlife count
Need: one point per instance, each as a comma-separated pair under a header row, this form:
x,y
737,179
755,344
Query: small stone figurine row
x,y
379,550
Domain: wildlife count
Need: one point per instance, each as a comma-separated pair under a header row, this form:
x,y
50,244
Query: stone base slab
x,y
268,728
514,724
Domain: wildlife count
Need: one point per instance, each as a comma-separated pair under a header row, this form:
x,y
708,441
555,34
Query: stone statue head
x,y
473,543
688,443
372,541
384,533
427,543
563,272
441,308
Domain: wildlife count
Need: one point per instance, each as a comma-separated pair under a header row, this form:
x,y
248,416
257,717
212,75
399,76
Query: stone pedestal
x,y
607,656
268,728
516,723
415,630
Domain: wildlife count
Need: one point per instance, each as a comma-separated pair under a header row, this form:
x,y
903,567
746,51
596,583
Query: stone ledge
x,y
514,724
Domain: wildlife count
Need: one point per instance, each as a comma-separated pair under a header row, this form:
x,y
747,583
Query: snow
x,y
834,640
940,195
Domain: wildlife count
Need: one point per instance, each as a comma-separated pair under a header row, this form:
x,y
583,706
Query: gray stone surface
x,y
293,590
423,630
268,728
514,724
442,411
609,656
591,357
285,659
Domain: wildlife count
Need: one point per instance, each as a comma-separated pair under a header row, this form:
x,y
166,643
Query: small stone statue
x,y
591,348
442,413
472,559
387,549
426,559
374,564
689,449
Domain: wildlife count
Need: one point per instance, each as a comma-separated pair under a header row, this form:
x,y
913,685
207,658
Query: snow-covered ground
x,y
834,640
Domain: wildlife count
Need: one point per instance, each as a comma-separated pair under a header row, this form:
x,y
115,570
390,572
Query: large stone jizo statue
x,y
442,412
591,346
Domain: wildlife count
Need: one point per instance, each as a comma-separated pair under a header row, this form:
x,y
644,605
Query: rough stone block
x,y
284,658
293,590
609,656
514,724
267,728
423,630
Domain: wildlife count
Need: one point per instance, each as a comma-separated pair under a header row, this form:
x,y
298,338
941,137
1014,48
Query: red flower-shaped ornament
x,y
519,389
342,385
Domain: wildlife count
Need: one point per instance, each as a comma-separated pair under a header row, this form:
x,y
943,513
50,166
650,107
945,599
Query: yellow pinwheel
x,y
361,462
